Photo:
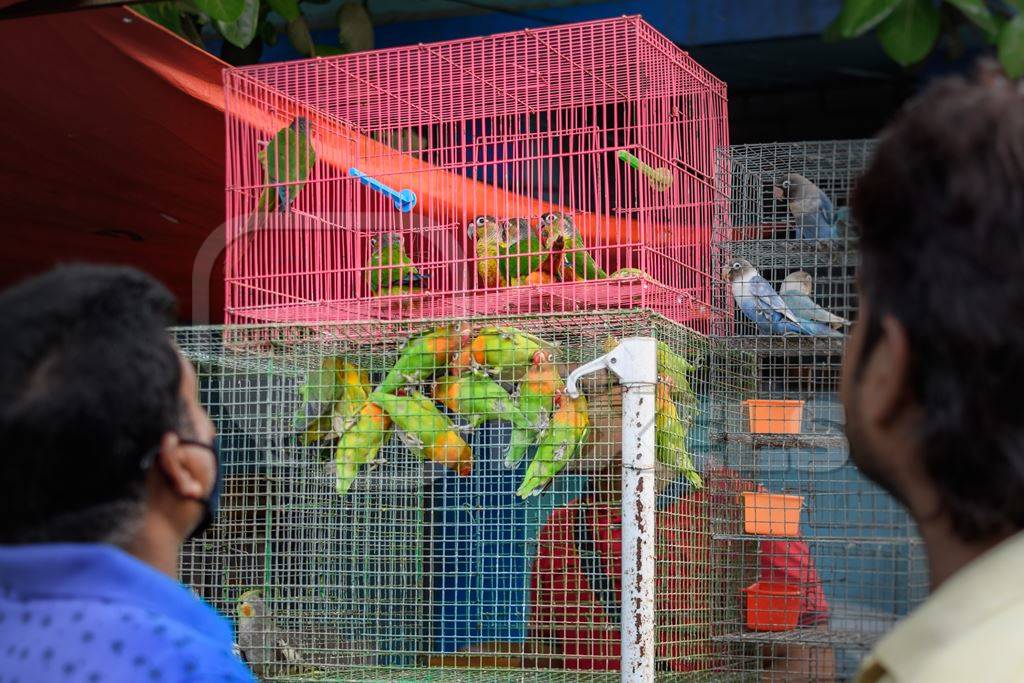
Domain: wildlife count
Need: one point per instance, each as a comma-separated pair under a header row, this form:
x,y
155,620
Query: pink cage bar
x,y
603,131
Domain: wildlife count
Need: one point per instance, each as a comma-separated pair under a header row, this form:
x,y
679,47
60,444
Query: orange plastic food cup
x,y
775,416
772,606
771,514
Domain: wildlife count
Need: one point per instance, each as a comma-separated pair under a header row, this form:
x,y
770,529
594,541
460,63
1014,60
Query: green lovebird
x,y
288,159
359,443
670,432
343,388
522,252
426,431
389,269
558,444
535,398
423,357
506,351
478,398
559,232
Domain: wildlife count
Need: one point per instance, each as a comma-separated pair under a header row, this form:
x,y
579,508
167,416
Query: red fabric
x,y
567,616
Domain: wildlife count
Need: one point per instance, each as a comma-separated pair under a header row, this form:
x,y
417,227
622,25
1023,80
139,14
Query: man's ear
x,y
182,466
886,374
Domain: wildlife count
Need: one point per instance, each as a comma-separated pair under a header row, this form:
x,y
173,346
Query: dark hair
x,y
90,383
941,210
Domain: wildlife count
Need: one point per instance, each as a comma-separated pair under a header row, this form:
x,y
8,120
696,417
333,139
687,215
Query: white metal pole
x,y
634,361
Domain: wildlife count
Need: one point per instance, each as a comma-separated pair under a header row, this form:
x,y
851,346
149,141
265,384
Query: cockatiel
x,y
558,232
389,269
425,430
424,356
263,645
558,444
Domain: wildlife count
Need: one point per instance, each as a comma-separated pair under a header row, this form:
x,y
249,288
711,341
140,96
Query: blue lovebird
x,y
760,303
796,291
810,207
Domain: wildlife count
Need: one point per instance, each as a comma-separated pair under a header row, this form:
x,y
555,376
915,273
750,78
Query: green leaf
x,y
241,32
910,31
977,11
1010,47
166,14
289,9
221,10
857,17
298,34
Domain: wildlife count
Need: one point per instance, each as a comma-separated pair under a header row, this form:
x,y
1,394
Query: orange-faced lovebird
x,y
535,398
359,443
558,444
476,397
424,356
425,430
506,351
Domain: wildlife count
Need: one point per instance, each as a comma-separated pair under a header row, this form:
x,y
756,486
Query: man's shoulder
x,y
49,637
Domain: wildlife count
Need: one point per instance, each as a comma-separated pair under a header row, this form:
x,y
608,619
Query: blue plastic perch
x,y
404,199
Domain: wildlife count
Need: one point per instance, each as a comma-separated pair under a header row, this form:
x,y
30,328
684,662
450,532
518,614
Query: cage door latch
x,y
633,361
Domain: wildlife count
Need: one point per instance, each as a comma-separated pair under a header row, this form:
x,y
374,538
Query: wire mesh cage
x,y
840,561
549,170
464,526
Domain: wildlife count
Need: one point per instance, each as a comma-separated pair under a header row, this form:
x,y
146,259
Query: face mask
x,y
212,503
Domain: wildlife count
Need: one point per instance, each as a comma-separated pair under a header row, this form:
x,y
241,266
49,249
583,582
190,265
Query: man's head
x,y
96,411
934,368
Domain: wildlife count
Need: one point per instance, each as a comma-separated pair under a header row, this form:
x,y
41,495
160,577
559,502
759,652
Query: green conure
x,y
522,252
506,351
288,159
559,232
670,432
424,356
359,443
489,237
426,431
535,398
389,269
558,444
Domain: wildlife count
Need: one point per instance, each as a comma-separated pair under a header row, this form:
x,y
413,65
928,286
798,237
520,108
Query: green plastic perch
x,y
660,178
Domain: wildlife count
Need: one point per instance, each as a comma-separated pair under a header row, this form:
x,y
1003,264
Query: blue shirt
x,y
90,613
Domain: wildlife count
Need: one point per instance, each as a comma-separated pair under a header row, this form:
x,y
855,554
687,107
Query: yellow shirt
x,y
970,629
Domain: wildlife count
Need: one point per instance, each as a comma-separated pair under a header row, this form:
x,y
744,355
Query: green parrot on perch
x,y
558,444
389,270
559,233
287,161
522,253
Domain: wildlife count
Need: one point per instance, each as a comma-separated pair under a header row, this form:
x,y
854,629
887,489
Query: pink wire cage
x,y
604,126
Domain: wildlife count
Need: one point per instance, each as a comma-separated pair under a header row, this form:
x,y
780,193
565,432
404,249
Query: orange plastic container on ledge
x,y
771,514
772,606
775,416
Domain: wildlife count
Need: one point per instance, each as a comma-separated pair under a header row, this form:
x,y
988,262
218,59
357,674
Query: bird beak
x,y
725,272
779,193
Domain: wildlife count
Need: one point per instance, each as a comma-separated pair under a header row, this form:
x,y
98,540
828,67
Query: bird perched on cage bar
x,y
422,357
425,430
796,291
810,207
506,352
559,234
476,396
535,396
558,444
359,443
488,236
263,645
287,162
389,270
761,304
